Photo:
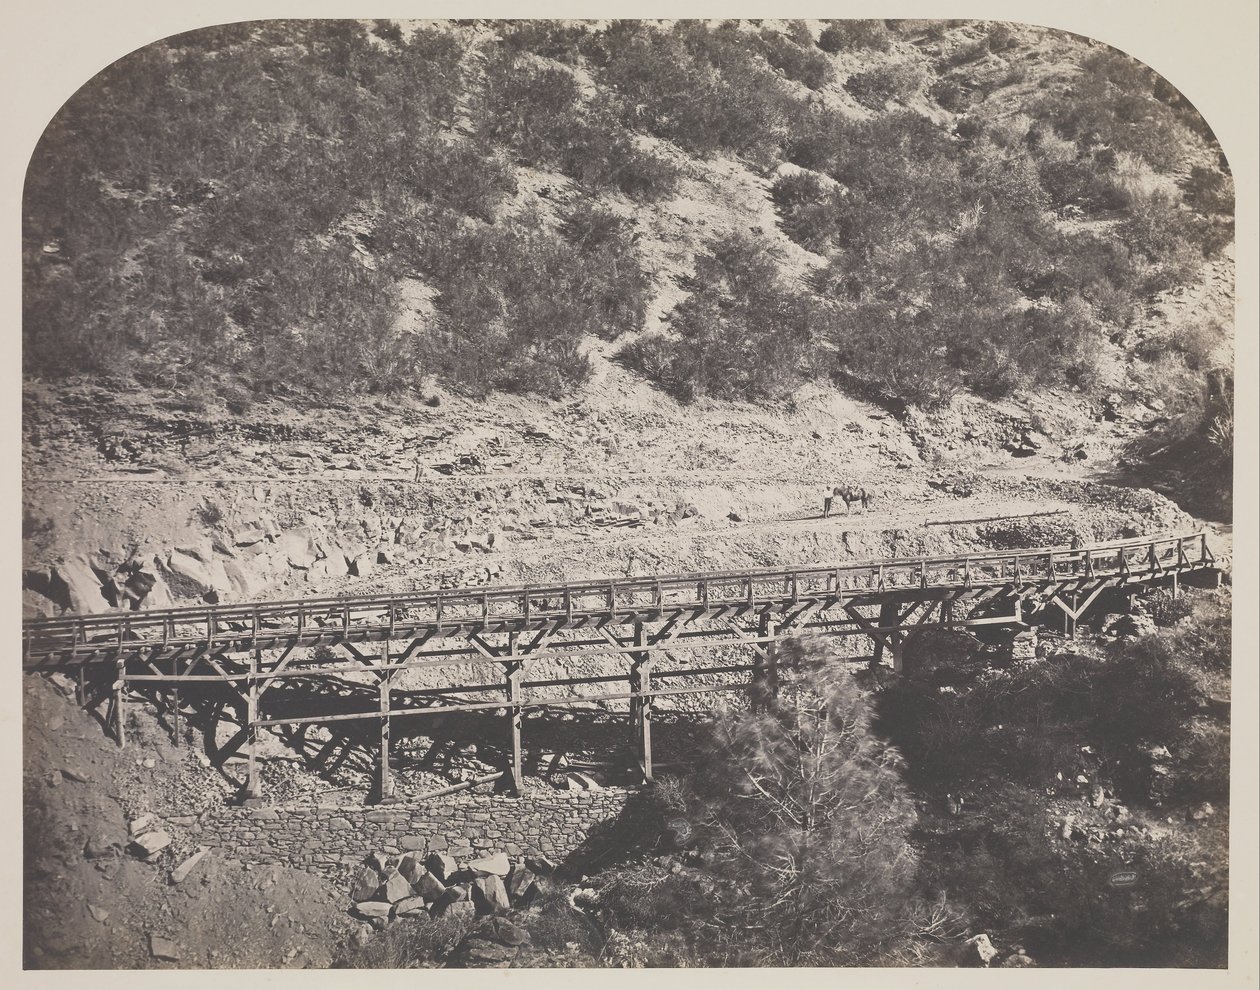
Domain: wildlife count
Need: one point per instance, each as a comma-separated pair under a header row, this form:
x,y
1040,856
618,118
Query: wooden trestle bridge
x,y
636,622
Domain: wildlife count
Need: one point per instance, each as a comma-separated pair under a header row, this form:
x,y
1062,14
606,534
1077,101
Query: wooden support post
x,y
888,616
120,688
386,790
514,672
641,707
765,677
253,779
175,714
1071,618
80,687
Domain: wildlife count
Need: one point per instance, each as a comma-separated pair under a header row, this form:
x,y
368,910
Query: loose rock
x,y
490,896
495,864
180,873
976,951
163,948
150,844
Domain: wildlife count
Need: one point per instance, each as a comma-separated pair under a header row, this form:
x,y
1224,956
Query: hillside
x,y
909,212
323,307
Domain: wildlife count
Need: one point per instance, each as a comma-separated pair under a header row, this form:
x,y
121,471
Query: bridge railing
x,y
383,615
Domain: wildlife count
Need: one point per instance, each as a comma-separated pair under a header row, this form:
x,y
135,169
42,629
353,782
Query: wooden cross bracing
x,y
724,625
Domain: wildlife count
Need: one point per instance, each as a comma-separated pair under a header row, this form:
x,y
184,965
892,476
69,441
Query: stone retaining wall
x,y
327,838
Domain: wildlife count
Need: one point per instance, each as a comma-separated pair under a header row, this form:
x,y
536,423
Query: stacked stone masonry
x,y
326,839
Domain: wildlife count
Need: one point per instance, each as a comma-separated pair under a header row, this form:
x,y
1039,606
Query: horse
x,y
848,494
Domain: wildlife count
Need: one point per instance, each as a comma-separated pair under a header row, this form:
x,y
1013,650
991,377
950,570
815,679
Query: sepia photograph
x,y
627,493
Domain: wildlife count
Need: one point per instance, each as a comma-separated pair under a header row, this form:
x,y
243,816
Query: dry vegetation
x,y
208,202
253,210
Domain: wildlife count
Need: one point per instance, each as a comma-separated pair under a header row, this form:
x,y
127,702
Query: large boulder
x,y
409,907
378,910
77,587
429,887
496,864
301,546
189,577
245,581
442,866
522,886
490,896
150,845
141,586
366,883
454,909
411,866
163,948
395,888
180,873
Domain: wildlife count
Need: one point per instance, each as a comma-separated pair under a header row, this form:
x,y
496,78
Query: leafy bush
x,y
896,352
699,87
388,31
742,333
809,210
853,34
805,65
1113,103
539,112
1156,685
875,87
1209,191
549,38
1010,872
949,95
1001,37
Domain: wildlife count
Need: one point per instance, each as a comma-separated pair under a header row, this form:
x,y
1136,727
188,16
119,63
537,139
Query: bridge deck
x,y
74,640
238,655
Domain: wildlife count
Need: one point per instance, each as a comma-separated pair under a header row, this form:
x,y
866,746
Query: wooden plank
x,y
120,690
557,702
385,787
253,781
512,674
641,703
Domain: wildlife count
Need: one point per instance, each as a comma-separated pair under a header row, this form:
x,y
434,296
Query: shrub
x,y
810,212
949,95
1154,687
558,924
875,87
1208,191
742,333
1112,103
388,30
1167,609
816,141
898,352
410,941
549,38
540,114
854,34
1001,37
805,65
700,87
